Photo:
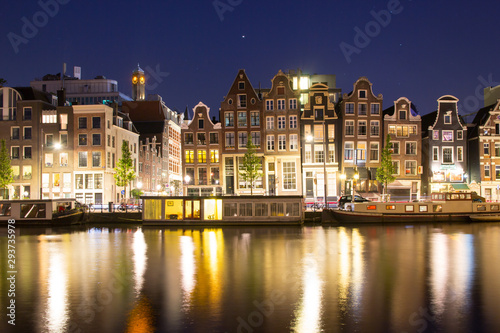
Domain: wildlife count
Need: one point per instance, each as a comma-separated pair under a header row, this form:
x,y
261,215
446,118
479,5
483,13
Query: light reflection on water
x,y
310,279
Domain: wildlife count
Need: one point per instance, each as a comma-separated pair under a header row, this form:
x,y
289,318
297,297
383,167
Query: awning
x,y
460,187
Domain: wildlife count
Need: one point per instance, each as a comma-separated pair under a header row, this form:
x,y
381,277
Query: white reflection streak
x,y
57,303
309,314
139,248
439,272
212,244
357,268
344,267
187,267
462,269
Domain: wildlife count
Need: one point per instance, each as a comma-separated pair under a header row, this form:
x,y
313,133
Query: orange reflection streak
x,y
140,318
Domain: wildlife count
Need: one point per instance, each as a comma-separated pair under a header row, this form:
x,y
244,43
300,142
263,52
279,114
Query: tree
x,y
386,171
252,166
136,193
6,172
124,171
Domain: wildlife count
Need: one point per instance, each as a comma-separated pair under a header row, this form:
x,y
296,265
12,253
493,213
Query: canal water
x,y
397,278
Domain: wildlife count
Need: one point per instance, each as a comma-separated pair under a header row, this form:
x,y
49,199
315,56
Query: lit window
x,y
270,123
289,176
319,155
214,156
294,142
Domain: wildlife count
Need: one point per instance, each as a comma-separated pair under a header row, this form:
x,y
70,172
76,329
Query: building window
x,y
435,135
229,119
241,85
27,113
242,119
27,174
448,136
294,145
318,114
96,139
282,142
82,139
447,155
96,122
349,108
460,134
374,128
49,140
214,175
410,168
487,171
96,159
460,154
293,121
395,165
201,124
214,156
361,151
331,153
270,123
395,147
362,108
374,151
435,154
63,138
214,138
230,140
375,108
486,148
242,101
63,159
15,133
411,148
319,154
27,152
270,142
349,127
281,104
497,172
14,153
202,140
331,132
293,103
82,122
27,133
242,139
348,151
308,157
189,155
447,119
362,127
202,156
202,176
402,114
256,139
254,118
188,138
49,160
269,105
82,159
362,93
113,142
281,122
289,176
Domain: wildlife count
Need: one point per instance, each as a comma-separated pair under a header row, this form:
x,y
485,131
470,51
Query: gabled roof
x,y
480,119
144,110
149,127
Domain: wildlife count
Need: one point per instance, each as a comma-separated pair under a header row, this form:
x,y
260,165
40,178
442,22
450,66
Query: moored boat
x,y
444,207
41,212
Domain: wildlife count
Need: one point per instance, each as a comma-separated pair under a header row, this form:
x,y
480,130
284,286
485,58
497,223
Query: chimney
x,y
61,97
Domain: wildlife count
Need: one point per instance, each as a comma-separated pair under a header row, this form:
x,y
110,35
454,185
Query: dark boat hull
x,y
339,216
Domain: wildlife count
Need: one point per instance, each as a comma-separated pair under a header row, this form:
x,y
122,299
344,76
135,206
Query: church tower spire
x,y
138,84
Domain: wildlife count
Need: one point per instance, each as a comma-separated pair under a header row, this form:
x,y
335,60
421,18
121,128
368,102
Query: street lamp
x,y
158,188
356,177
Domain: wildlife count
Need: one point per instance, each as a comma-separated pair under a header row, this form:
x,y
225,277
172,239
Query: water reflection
x,y
139,248
187,267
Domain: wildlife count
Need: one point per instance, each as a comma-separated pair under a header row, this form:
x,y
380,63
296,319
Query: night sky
x,y
422,50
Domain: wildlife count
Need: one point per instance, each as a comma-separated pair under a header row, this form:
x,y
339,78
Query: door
x,y
229,184
272,185
192,209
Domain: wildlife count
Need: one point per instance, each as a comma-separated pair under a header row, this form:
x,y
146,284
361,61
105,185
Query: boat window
x,y
462,196
494,207
481,208
371,207
437,208
390,207
33,211
292,209
409,208
469,196
453,197
5,209
422,209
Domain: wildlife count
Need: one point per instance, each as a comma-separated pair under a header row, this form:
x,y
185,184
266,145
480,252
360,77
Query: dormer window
x,y
241,85
402,114
362,94
447,118
201,123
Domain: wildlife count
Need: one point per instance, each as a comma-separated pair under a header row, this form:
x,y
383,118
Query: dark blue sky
x,y
428,49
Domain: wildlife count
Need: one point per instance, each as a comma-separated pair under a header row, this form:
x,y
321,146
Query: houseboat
x,y
443,207
41,212
222,210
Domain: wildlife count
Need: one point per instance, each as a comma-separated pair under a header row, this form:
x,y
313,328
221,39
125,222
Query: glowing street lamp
x,y
356,177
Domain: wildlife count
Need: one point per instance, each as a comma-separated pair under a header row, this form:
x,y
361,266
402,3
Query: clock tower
x,y
138,84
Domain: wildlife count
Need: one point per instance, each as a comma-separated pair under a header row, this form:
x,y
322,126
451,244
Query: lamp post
x,y
356,177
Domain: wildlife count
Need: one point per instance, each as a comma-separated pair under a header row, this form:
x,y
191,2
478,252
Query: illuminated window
x,y
460,154
435,135
331,153
448,136
318,133
82,139
242,119
214,156
49,160
270,123
308,157
63,159
229,119
447,155
82,159
189,155
331,132
348,151
319,154
289,176
294,145
392,129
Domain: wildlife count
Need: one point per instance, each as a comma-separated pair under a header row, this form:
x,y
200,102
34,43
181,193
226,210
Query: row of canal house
x,y
313,144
